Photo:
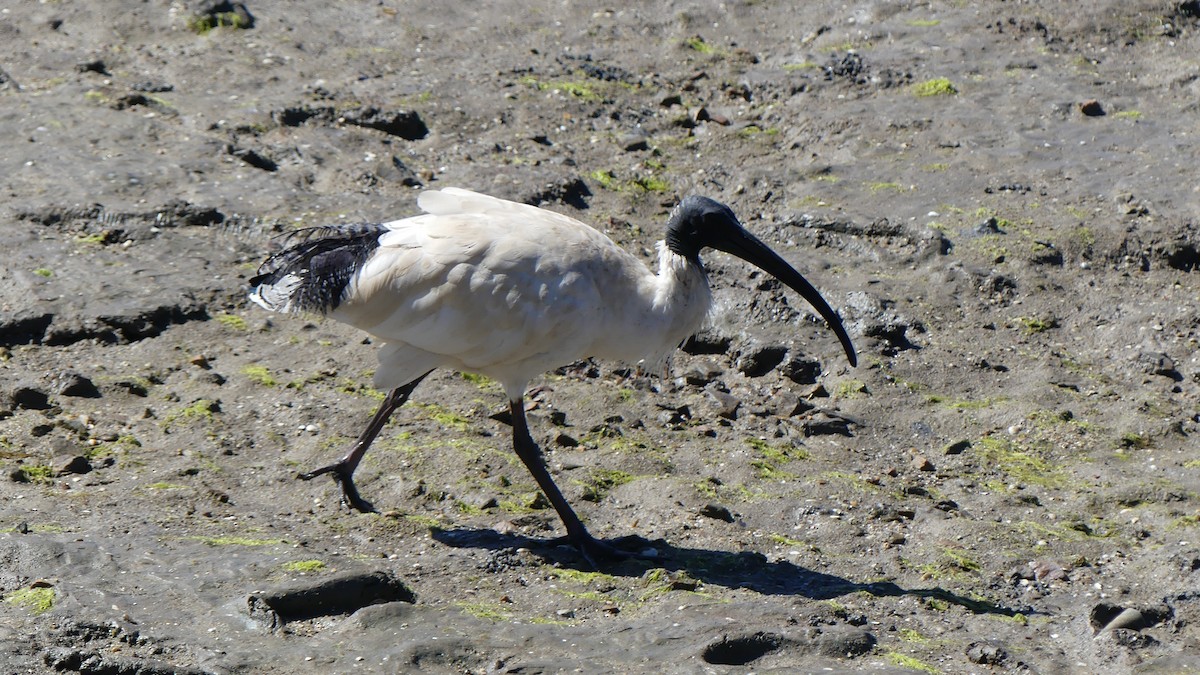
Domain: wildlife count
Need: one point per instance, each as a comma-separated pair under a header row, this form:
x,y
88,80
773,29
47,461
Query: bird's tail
x,y
314,268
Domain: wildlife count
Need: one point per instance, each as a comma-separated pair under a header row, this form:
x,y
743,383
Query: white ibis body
x,y
506,290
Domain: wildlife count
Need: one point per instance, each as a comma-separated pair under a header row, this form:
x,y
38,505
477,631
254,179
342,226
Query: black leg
x,y
590,547
343,469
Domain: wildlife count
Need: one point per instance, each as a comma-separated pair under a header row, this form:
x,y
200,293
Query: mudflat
x,y
1000,199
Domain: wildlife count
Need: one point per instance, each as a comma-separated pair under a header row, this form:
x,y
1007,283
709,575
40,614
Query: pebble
x,y
957,447
71,464
1091,108
716,512
71,383
986,653
726,405
757,359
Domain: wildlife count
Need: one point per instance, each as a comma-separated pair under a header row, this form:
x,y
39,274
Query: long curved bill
x,y
748,247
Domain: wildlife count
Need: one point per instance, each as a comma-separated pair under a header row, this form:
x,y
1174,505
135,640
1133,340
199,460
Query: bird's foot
x,y
343,474
595,550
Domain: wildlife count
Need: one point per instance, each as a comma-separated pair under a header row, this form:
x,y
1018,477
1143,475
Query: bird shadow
x,y
741,569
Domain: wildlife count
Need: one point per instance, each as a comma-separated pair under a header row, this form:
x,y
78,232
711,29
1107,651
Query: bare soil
x,y
1000,198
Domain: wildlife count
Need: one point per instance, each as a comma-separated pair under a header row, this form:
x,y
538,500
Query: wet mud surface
x,y
999,199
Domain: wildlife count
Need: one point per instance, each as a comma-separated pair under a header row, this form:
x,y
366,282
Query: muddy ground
x,y
1000,198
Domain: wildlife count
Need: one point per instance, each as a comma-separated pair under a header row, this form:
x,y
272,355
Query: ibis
x,y
506,290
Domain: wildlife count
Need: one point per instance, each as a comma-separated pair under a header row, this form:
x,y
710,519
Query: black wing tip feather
x,y
322,261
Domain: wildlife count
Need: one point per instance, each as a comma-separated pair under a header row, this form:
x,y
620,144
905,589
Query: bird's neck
x,y
681,294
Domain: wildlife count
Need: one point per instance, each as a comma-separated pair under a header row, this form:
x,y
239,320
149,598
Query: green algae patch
x,y
36,599
939,86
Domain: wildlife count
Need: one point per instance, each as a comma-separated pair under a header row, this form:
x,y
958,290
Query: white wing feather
x,y
495,287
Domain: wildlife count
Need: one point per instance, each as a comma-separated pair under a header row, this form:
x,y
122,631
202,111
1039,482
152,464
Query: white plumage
x,y
484,285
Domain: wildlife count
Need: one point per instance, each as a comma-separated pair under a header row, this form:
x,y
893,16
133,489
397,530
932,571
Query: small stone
x,y
922,463
757,359
1091,108
566,441
986,653
72,464
1048,571
827,426
726,405
702,372
634,142
96,66
1158,363
956,448
716,512
801,369
538,502
787,404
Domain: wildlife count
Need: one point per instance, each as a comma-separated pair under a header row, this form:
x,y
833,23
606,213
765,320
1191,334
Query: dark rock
x,y
787,404
569,190
848,66
97,66
1091,108
801,369
829,426
673,415
402,174
135,387
1158,363
756,359
1046,254
403,123
703,372
253,158
72,464
7,82
634,143
989,226
97,663
71,383
153,87
716,512
222,13
726,405
986,653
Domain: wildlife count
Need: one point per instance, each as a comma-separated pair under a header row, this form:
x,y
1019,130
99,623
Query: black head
x,y
700,222
697,223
